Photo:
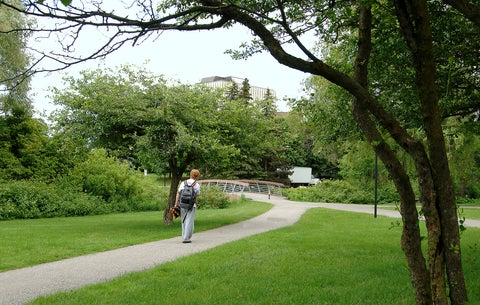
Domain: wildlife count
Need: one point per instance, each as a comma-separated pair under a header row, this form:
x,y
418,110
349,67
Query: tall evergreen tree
x,y
232,92
245,91
267,105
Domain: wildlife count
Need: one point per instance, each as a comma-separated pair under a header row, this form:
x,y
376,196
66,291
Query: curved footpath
x,y
23,285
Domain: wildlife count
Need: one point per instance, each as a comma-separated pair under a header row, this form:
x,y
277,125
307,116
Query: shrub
x,y
20,199
468,201
33,199
213,198
343,191
105,177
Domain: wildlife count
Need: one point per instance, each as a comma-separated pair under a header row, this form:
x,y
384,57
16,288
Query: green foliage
x,y
108,109
14,60
342,191
245,91
105,177
26,152
469,201
358,163
267,105
99,185
153,195
243,128
464,154
136,116
139,117
213,198
30,199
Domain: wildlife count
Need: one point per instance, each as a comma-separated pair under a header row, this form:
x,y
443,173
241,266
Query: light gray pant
x,y
188,218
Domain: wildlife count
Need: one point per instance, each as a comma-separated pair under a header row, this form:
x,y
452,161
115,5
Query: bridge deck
x,y
240,186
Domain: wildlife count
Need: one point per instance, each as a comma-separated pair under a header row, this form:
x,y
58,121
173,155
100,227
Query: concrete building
x,y
257,93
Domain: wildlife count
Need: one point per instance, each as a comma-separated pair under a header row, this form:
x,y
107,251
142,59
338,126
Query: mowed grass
x,y
30,242
328,257
469,212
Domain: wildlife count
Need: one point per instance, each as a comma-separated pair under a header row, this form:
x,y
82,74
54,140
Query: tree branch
x,y
462,110
470,11
294,37
408,29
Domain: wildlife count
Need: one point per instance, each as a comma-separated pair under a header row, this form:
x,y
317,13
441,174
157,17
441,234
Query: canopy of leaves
x,y
14,60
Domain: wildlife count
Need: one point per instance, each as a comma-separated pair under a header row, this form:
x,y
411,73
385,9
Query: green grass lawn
x,y
328,257
468,211
29,242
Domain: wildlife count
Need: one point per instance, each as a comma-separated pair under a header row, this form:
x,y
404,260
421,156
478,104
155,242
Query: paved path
x,y
23,285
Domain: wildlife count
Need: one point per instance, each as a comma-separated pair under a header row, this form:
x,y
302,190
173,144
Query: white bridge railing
x,y
240,186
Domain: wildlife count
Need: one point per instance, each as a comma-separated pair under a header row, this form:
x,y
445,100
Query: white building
x,y
257,93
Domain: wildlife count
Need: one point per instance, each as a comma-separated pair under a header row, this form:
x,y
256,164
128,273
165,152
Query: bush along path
x,y
23,285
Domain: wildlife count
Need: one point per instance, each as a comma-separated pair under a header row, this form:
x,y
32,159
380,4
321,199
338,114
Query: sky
x,y
186,57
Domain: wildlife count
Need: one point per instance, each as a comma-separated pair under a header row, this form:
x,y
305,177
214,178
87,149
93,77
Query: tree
x,y
245,91
24,145
232,92
109,109
14,60
464,149
267,105
275,23
243,127
138,117
185,132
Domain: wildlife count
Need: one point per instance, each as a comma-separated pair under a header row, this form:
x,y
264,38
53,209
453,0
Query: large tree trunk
x,y
439,203
176,172
411,237
178,165
437,196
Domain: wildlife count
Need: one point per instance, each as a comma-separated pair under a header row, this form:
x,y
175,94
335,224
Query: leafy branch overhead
x,y
64,2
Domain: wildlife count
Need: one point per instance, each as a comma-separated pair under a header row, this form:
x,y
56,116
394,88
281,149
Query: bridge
x,y
240,186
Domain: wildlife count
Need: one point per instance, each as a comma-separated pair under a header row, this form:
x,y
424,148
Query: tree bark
x,y
411,238
178,165
440,205
176,173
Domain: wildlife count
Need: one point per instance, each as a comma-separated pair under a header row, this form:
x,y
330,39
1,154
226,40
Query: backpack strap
x,y
193,184
194,192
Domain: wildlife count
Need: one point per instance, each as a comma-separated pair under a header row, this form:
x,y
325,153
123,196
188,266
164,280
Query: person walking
x,y
188,214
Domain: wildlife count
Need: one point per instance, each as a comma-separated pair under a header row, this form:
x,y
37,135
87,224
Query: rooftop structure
x,y
257,93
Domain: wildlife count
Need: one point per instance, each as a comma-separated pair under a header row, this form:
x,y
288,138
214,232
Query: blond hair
x,y
194,174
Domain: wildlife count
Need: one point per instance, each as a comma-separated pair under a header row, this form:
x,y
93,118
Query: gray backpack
x,y
187,196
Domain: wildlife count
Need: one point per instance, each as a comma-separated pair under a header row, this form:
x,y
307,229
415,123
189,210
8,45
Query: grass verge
x,y
469,212
30,242
328,257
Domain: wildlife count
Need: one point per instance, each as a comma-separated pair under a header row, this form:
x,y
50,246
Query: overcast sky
x,y
188,57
